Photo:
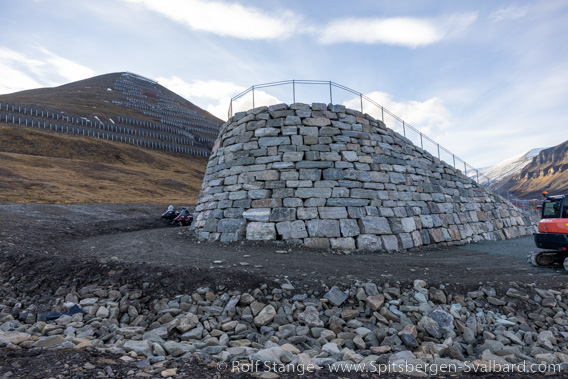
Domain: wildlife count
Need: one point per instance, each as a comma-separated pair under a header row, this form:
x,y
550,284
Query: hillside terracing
x,y
326,176
119,107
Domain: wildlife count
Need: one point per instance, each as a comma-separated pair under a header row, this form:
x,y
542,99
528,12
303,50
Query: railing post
x,y
464,168
361,98
330,94
253,96
293,91
382,114
454,156
421,143
438,150
403,129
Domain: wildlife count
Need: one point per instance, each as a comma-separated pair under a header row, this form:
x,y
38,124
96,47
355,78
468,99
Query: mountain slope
x,y
121,107
42,167
547,171
511,166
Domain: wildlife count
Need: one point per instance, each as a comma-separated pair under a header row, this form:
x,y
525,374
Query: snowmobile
x,y
170,214
184,218
552,234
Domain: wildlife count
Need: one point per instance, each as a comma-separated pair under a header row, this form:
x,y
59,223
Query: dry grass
x,y
44,167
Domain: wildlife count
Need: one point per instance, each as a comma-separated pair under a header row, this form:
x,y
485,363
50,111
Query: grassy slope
x,y
43,167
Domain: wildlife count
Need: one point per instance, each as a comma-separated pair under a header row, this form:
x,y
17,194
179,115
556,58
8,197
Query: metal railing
x,y
390,119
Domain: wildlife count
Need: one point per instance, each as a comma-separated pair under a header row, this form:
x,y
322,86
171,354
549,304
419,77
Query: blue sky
x,y
486,79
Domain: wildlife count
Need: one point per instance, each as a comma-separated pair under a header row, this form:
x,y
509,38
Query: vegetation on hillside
x,y
44,167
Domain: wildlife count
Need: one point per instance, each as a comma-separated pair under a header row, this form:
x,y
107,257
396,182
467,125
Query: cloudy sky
x,y
486,79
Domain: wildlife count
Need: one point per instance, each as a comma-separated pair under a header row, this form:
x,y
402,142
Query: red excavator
x,y
552,234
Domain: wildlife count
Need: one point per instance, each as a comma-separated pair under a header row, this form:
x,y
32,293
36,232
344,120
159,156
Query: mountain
x,y
491,175
112,138
121,107
547,171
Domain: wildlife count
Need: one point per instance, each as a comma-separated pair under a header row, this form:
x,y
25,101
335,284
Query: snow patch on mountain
x,y
493,174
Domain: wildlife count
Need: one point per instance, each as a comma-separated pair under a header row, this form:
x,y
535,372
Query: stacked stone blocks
x,y
325,176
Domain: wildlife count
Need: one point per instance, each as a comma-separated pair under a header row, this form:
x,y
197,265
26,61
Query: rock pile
x,y
326,176
410,328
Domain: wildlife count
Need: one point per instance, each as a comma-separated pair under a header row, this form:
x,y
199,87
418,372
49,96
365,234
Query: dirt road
x,y
134,233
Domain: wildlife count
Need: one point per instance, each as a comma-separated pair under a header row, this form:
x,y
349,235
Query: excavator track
x,y
547,259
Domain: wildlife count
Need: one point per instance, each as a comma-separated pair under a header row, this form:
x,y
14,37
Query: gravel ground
x,y
46,246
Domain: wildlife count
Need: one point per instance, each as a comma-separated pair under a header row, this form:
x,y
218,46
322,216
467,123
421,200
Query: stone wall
x,y
326,176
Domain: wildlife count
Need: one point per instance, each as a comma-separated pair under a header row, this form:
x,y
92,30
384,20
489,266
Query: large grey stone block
x,y
259,194
346,243
369,242
347,202
332,212
316,243
261,231
305,193
314,164
298,229
273,141
257,214
349,227
292,202
360,193
316,121
310,174
282,214
390,242
315,202
350,156
374,225
402,225
267,175
293,156
307,213
228,225
284,230
266,132
323,228
333,174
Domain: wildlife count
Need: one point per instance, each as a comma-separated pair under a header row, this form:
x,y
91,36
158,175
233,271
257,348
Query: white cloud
x,y
15,69
409,32
66,68
261,98
428,116
510,12
226,19
246,22
19,72
213,95
211,89
218,94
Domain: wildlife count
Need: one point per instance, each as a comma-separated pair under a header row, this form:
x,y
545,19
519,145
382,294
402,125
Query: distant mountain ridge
x,y
119,107
546,171
491,175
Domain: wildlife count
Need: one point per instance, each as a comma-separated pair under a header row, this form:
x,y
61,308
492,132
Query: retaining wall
x,y
326,176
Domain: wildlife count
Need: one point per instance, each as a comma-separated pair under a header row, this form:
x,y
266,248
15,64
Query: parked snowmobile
x,y
170,214
184,218
552,233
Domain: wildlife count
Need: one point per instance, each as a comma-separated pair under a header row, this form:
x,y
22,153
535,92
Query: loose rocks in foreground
x,y
409,328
